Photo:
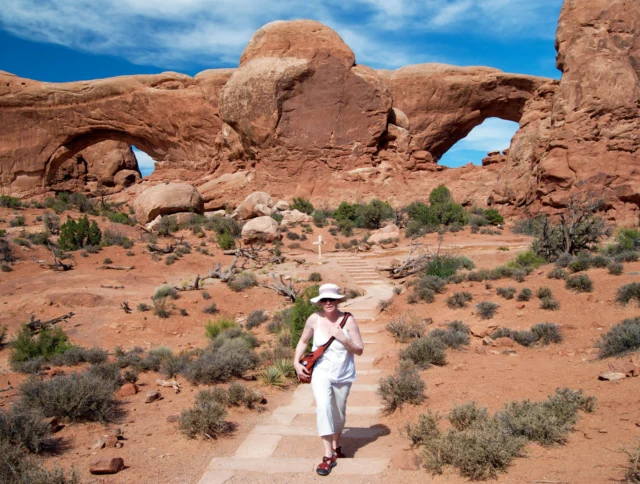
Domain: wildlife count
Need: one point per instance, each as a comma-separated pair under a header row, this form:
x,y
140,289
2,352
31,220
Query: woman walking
x,y
334,371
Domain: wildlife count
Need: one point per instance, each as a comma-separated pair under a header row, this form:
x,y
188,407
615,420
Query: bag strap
x,y
344,321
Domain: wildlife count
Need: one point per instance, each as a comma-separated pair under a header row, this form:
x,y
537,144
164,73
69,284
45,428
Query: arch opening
x,y
146,163
493,134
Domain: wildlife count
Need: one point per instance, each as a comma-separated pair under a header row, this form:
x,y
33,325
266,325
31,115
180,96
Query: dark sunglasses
x,y
326,299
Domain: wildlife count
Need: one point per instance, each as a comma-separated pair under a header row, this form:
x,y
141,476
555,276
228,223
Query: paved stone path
x,y
297,419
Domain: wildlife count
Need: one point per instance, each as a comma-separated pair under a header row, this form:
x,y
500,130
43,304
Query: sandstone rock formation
x,y
109,164
290,217
256,204
258,229
385,233
167,199
299,117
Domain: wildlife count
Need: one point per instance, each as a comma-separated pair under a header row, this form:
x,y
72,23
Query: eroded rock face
x,y
167,199
259,229
297,86
257,204
109,163
586,136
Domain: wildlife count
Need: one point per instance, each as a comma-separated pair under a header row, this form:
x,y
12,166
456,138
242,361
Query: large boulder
x,y
257,204
290,217
218,191
385,233
298,86
261,229
166,199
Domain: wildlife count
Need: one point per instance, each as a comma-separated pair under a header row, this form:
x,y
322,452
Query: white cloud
x,y
213,32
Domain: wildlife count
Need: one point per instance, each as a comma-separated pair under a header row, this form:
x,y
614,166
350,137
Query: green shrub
x,y
18,468
406,328
77,397
405,386
528,259
242,281
564,260
303,205
166,226
241,395
17,221
212,330
223,359
579,283
226,241
210,308
580,263
506,292
434,283
424,352
486,309
273,376
373,214
46,344
547,333
74,236
459,299
118,217
444,266
493,216
425,430
160,308
292,236
600,261
525,294
255,318
205,419
632,470
621,339
6,252
626,256
628,239
302,309
76,355
10,202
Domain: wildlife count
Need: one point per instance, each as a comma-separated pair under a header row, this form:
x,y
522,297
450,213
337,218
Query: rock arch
x,y
444,103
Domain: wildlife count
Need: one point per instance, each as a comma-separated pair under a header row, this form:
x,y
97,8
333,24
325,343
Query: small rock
x,y
459,368
626,367
127,390
173,418
509,351
377,360
503,342
611,375
519,314
520,305
152,396
107,466
487,341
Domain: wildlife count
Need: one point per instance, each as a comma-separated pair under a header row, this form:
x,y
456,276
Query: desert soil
x,y
155,450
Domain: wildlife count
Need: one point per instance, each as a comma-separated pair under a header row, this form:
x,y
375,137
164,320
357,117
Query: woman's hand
x,y
303,374
337,333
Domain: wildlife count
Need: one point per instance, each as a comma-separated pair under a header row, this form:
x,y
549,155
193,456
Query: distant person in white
x,y
333,373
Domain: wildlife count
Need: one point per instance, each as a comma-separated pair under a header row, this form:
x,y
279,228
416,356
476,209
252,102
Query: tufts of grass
x,y
506,292
557,273
406,328
544,292
164,291
242,281
463,417
273,376
623,338
616,268
213,330
455,336
206,418
549,304
255,318
210,308
525,294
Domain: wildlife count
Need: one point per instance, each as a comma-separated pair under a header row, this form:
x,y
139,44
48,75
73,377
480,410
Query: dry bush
x,y
486,309
405,386
424,352
506,292
18,468
406,328
549,304
579,283
628,293
425,430
233,357
557,273
455,336
615,268
26,429
77,397
462,417
459,299
241,395
242,281
255,318
206,418
621,339
525,294
632,470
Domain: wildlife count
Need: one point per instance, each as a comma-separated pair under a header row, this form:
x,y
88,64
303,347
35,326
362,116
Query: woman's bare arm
x,y
354,344
307,332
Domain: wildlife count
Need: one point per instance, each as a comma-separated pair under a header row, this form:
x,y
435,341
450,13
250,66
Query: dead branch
x,y
57,265
153,248
172,383
416,260
282,288
195,286
35,324
125,307
111,286
217,273
7,388
117,268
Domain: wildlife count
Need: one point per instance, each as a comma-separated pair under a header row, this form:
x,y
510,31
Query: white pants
x,y
331,403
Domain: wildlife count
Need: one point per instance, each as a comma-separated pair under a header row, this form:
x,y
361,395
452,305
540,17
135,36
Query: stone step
x,y
275,465
269,431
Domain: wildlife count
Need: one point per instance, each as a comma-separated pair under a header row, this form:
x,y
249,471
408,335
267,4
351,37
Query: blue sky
x,y
67,40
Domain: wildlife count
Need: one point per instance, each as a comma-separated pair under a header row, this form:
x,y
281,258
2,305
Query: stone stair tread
x,y
272,465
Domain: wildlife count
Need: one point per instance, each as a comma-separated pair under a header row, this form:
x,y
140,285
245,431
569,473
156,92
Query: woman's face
x,y
329,305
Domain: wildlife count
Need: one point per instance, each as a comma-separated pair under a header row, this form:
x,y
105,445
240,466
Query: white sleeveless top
x,y
336,362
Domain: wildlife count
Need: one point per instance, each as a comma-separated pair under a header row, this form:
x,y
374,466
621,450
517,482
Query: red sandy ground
x,y
155,451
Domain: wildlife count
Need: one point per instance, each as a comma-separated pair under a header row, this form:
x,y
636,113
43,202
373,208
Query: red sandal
x,y
328,463
337,453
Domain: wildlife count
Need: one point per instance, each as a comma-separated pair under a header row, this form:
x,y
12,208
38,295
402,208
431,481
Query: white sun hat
x,y
328,291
